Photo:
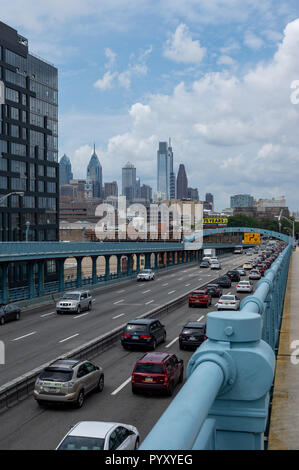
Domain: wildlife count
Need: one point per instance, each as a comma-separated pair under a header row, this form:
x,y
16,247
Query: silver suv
x,y
68,381
75,301
146,275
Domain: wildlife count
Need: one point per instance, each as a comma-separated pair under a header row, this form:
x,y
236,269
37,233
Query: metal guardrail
x,y
13,392
224,403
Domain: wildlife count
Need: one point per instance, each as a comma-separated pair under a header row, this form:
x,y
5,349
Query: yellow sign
x,y
215,220
252,238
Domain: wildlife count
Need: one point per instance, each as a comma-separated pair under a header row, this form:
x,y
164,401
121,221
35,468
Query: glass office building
x,y
28,142
165,174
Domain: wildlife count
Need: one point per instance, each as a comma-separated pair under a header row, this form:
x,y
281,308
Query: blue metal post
x,y
138,262
148,261
129,267
79,272
107,267
4,273
173,258
41,268
157,260
94,269
61,274
168,258
31,279
119,265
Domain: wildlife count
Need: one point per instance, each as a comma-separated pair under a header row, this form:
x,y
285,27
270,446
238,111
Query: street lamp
x,y
15,193
289,220
27,230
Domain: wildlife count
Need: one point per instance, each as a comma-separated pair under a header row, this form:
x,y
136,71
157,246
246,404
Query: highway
x,y
41,335
27,426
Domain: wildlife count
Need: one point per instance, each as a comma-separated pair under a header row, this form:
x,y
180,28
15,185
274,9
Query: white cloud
x,y
226,60
106,83
182,48
253,41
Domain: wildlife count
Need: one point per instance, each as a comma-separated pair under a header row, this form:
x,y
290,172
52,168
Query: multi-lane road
x,y
26,426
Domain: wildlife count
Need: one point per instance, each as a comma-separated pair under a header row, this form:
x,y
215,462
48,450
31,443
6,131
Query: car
x,y
199,298
204,264
215,265
99,435
234,275
68,381
193,335
214,290
146,275
8,313
145,332
244,286
157,371
74,302
247,266
224,281
254,274
228,302
241,271
213,260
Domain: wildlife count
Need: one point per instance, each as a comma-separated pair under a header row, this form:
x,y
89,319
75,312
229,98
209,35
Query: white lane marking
x,y
146,291
120,291
171,292
70,337
200,279
180,278
25,336
121,386
119,301
47,314
118,316
150,302
164,285
81,315
187,285
171,343
201,318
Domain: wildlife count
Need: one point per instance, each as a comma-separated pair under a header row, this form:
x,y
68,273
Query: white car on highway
x,y
255,275
244,286
215,265
146,275
99,435
228,302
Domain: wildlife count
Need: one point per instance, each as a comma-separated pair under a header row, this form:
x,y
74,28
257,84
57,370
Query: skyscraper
x,y
241,200
182,183
95,175
129,182
210,200
165,175
65,170
193,194
110,189
28,142
138,194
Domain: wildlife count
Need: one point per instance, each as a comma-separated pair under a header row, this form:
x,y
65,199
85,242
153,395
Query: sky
x,y
220,77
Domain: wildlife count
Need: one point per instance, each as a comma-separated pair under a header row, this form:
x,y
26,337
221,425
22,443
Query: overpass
x,y
166,253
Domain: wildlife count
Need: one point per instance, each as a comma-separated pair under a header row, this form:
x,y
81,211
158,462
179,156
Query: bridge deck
x,y
284,425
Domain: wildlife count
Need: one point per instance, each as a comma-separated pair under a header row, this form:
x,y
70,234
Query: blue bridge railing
x,y
224,403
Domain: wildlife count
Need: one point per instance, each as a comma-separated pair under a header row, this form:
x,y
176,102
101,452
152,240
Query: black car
x,y
8,313
224,281
214,290
193,335
146,332
204,264
234,275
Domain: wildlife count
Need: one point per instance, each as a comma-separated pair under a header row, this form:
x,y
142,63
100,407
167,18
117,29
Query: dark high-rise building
x,y
182,183
65,170
110,189
210,200
95,175
146,193
28,142
129,182
193,194
138,189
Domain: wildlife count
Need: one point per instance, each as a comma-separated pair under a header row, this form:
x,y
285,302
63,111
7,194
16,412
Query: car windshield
x,y
149,368
71,296
145,271
228,297
245,283
82,443
56,375
132,327
189,331
198,294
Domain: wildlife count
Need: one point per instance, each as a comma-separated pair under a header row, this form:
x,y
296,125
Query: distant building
x,y
110,189
210,199
65,170
241,200
146,193
182,183
193,194
138,193
94,176
165,174
129,182
266,203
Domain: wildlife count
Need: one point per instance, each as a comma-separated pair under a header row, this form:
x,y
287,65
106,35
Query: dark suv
x,y
224,281
214,290
143,333
193,335
157,371
234,275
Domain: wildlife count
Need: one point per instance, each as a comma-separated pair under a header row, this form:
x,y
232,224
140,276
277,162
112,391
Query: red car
x,y
157,371
200,298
